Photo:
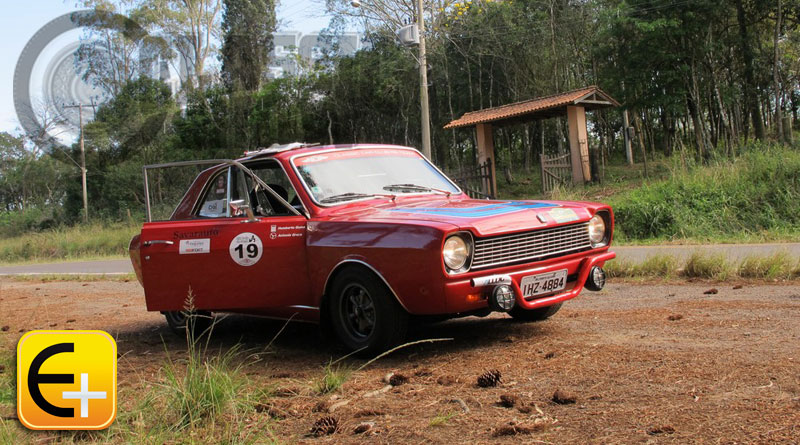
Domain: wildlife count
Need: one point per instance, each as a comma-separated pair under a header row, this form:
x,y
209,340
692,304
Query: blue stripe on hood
x,y
478,212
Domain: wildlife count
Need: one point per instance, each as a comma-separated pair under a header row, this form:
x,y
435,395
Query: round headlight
x,y
455,252
597,230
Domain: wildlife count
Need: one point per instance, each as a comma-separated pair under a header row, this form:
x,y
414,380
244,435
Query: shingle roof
x,y
546,106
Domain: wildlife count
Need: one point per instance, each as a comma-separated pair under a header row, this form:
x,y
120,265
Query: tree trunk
x,y
775,77
751,99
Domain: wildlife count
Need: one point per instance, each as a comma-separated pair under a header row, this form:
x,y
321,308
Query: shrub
x,y
758,192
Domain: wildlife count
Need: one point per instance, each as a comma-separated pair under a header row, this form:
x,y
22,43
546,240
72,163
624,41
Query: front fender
x,y
406,257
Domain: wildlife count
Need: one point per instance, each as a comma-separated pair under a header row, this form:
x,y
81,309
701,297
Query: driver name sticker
x,y
192,246
246,249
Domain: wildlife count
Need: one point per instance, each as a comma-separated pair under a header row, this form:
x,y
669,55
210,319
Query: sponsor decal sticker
x,y
191,246
199,234
246,249
563,215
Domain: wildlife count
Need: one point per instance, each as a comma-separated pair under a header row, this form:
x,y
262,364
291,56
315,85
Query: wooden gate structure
x,y
556,171
475,181
572,104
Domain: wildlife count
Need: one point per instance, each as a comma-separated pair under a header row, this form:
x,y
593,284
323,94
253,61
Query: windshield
x,y
348,175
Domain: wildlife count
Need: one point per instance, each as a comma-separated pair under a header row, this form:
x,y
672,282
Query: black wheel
x,y
178,321
364,314
538,314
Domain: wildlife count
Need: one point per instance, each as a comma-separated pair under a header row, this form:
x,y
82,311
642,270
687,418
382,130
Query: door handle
x,y
158,241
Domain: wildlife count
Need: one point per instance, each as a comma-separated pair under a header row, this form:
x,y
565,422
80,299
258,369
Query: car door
x,y
225,262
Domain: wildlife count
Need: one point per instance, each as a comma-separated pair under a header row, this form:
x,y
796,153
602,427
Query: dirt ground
x,y
644,363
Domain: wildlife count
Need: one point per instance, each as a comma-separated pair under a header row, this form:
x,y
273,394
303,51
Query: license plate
x,y
545,283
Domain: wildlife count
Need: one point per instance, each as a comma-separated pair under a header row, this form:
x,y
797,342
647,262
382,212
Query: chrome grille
x,y
531,245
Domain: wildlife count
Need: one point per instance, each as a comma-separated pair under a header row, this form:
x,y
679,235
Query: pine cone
x,y
489,378
324,426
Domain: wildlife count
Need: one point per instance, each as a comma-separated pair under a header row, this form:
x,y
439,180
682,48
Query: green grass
x,y
333,377
8,385
715,267
442,419
655,266
780,265
754,198
77,242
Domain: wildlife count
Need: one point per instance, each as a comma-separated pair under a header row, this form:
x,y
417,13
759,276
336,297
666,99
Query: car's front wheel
x,y
179,321
538,314
364,313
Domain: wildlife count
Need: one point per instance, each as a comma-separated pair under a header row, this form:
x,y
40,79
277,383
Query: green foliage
x,y
247,27
334,376
758,192
708,266
779,265
441,419
201,388
68,243
655,266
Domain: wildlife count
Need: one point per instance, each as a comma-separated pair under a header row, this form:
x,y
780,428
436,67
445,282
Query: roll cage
x,y
260,184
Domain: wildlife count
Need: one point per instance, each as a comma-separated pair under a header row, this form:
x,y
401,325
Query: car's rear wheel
x,y
198,321
538,314
364,314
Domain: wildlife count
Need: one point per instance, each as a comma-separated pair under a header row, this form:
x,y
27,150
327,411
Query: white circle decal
x,y
246,248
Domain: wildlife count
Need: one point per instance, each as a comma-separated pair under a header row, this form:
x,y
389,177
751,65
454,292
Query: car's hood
x,y
484,217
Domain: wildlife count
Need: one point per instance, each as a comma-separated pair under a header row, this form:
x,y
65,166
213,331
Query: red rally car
x,y
361,238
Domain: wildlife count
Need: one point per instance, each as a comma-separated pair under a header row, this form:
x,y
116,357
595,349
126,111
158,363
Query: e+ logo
x,y
50,397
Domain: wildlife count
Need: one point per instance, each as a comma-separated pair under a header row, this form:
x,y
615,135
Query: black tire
x,y
364,314
199,321
538,314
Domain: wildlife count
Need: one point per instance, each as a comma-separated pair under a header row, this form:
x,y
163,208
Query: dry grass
x,y
715,267
46,278
780,265
656,266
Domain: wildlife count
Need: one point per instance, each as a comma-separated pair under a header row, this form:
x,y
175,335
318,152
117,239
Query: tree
x,y
247,27
192,26
117,48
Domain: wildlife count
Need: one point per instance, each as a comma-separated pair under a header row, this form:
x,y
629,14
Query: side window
x,y
273,175
215,202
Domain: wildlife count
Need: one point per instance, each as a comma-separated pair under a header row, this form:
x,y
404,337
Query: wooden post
x,y
578,145
627,137
486,152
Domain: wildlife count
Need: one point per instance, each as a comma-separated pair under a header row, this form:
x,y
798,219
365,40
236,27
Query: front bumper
x,y
471,293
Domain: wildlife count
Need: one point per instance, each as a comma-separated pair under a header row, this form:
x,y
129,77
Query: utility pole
x,y
423,84
83,161
423,78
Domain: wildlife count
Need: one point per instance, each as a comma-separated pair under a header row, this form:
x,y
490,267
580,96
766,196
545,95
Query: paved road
x,y
733,252
108,267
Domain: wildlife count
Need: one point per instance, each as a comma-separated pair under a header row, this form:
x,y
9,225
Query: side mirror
x,y
239,206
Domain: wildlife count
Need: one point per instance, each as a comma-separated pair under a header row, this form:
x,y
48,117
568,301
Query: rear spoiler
x,y
228,162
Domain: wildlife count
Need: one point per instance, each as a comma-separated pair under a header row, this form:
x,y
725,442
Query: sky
x,y
22,19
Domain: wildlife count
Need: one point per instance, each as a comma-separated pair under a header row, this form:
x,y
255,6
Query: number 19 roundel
x,y
245,249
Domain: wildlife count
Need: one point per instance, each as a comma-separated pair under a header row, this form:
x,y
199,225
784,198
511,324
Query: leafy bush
x,y
758,192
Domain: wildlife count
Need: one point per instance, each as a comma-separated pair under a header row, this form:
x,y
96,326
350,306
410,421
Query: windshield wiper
x,y
416,188
349,196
